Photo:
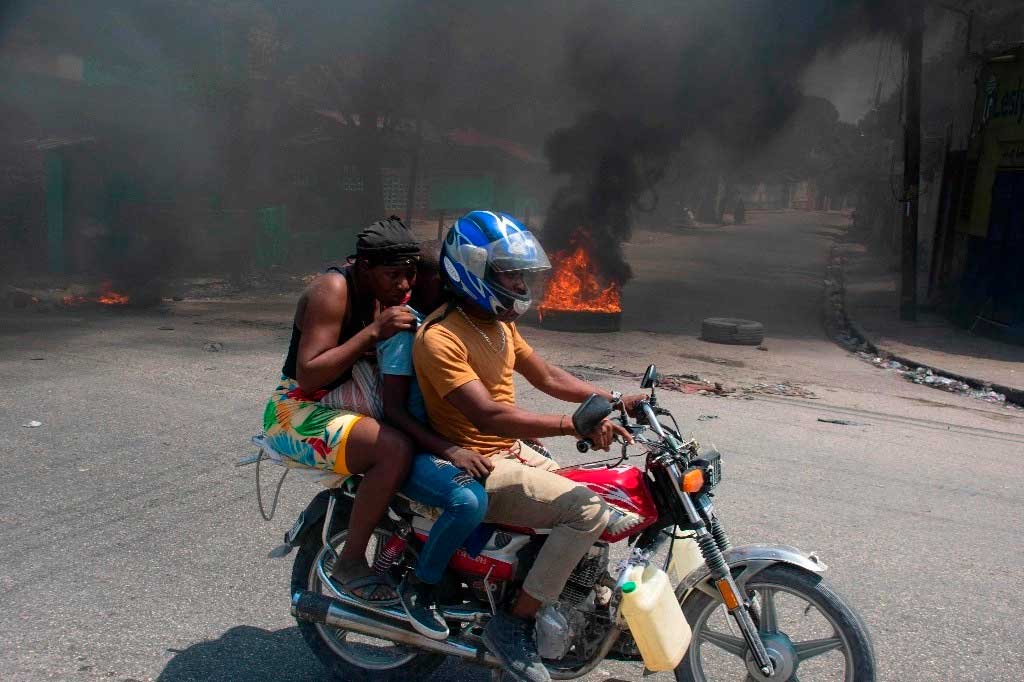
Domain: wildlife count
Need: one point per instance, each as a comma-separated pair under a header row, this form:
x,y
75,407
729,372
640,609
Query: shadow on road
x,y
257,655
246,653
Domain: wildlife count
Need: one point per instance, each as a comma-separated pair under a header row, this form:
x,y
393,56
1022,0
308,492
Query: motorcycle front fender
x,y
745,562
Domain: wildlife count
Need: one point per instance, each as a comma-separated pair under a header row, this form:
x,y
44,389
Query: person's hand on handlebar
x,y
603,435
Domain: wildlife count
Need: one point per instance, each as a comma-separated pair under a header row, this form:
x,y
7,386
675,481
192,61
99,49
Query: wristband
x,y
561,425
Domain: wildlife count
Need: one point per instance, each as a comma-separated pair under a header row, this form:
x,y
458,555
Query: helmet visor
x,y
518,251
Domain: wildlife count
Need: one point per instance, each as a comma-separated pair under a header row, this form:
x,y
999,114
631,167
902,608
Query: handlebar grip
x,y
584,445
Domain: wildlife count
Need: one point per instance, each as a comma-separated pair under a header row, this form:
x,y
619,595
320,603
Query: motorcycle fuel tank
x,y
625,491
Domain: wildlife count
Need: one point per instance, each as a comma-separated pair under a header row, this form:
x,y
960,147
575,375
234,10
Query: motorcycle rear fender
x,y
311,517
745,562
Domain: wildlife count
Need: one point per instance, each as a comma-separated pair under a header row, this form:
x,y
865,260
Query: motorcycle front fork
x,y
711,543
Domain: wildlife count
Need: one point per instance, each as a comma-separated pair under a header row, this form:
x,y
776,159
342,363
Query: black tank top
x,y
350,326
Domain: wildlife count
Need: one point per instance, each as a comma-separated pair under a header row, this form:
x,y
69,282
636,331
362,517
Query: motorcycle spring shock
x,y
392,549
721,539
712,555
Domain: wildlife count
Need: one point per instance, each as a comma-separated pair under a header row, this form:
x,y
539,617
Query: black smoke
x,y
268,96
657,75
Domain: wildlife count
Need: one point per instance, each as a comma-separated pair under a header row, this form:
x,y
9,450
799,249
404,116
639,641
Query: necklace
x,y
482,333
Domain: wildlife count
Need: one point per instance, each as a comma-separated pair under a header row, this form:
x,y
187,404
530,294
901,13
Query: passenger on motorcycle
x,y
443,475
465,354
340,318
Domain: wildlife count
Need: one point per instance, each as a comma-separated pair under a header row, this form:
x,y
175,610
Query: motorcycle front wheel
x,y
350,656
809,631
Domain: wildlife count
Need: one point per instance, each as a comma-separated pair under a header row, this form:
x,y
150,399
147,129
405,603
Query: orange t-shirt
x,y
450,353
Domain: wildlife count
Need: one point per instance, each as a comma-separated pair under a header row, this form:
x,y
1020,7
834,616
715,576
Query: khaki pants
x,y
523,491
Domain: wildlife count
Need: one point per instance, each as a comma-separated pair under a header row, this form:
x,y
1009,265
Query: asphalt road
x,y
132,549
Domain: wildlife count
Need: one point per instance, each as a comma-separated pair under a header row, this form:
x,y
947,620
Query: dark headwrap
x,y
387,242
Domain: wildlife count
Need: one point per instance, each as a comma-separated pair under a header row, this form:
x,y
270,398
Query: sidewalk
x,y
932,341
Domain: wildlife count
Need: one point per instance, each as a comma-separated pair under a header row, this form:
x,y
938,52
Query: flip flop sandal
x,y
375,582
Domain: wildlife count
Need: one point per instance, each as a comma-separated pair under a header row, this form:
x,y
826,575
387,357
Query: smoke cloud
x,y
265,91
661,74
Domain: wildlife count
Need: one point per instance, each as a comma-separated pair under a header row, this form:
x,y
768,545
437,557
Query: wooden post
x,y
440,225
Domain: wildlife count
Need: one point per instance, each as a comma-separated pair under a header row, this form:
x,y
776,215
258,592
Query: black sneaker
x,y
512,640
417,599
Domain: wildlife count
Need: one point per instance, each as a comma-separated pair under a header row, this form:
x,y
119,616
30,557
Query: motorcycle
x,y
749,607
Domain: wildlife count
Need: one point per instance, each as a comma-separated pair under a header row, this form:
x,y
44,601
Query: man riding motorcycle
x,y
464,356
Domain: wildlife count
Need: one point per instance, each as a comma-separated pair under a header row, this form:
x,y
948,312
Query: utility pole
x,y
911,163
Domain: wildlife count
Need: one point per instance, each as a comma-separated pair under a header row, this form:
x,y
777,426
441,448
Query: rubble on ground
x,y
925,376
680,383
784,389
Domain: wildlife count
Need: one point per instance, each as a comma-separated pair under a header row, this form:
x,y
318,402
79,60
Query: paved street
x,y
132,548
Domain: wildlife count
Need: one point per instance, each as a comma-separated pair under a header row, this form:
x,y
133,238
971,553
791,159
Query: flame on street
x,y
574,284
107,297
112,298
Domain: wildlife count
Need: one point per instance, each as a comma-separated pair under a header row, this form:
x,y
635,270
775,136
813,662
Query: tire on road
x,y
732,330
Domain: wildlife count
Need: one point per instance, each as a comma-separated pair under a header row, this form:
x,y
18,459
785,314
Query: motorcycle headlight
x,y
711,461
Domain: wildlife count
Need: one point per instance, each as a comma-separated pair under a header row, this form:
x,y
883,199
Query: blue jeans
x,y
437,483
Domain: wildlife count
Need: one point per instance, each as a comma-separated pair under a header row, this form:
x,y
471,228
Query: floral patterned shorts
x,y
298,426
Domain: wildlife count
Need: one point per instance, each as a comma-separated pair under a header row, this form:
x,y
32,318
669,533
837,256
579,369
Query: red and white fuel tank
x,y
625,491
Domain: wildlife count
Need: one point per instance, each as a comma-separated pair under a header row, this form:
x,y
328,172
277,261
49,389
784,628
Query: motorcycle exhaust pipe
x,y
319,608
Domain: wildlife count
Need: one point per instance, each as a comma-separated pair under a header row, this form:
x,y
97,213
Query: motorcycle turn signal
x,y
692,481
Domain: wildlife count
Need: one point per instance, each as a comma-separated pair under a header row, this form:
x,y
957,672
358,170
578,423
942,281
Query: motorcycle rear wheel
x,y
848,643
351,660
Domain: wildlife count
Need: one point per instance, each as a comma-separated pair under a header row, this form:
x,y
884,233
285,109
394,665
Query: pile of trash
x,y
926,377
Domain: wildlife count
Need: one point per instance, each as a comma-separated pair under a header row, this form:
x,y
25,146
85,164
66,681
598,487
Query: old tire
x,y
732,330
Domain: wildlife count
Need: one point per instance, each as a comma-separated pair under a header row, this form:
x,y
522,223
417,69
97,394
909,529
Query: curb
x,y
1013,395
835,291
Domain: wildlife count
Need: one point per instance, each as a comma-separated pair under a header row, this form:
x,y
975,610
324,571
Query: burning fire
x,y
107,297
574,285
112,298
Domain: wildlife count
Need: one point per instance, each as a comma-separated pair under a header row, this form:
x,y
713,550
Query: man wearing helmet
x,y
465,354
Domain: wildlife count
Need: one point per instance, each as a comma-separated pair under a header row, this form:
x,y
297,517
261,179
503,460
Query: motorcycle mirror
x,y
650,379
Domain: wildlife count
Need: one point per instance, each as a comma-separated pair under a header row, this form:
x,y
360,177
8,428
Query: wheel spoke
x,y
728,643
769,611
816,647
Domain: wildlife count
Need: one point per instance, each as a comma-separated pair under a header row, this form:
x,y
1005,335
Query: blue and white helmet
x,y
482,243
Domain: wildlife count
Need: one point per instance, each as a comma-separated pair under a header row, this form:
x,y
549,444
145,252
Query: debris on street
x,y
33,424
214,347
707,417
783,389
681,383
842,422
925,376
